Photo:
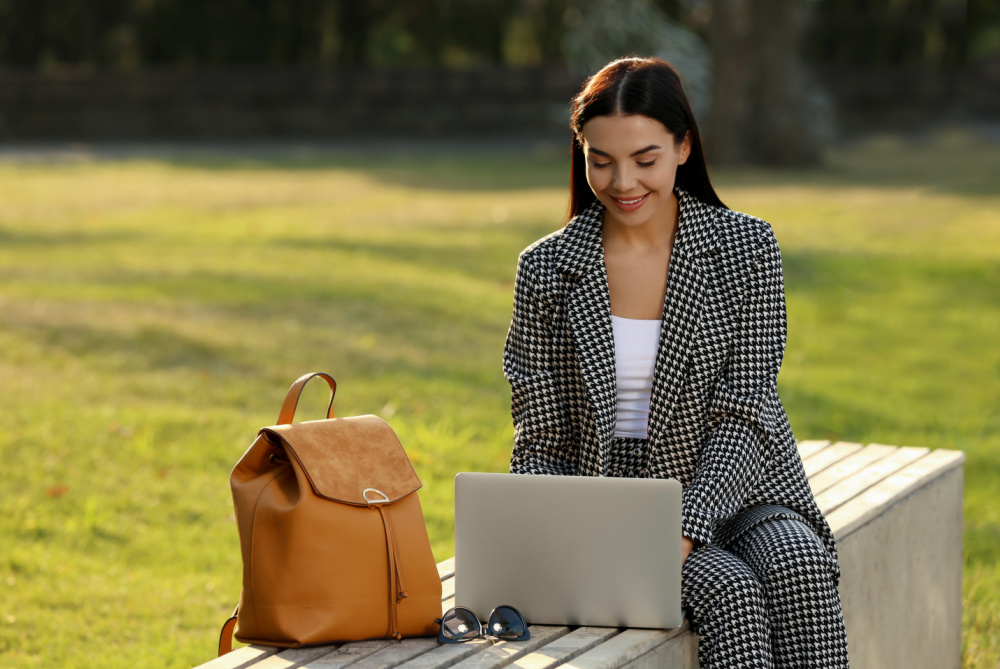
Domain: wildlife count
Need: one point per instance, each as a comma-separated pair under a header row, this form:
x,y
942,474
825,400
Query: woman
x,y
646,340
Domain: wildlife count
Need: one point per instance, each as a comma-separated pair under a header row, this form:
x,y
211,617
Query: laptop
x,y
570,550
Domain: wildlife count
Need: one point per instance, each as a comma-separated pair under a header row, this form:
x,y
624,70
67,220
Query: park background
x,y
201,201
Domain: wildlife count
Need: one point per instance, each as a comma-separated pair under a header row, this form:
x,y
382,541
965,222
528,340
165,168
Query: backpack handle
x,y
287,412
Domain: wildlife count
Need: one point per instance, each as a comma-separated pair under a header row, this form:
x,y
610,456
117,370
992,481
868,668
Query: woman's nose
x,y
624,179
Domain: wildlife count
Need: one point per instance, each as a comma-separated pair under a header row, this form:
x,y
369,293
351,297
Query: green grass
x,y
153,313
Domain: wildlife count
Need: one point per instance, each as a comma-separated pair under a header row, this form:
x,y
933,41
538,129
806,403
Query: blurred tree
x,y
984,28
764,105
600,32
428,23
21,32
355,21
889,32
236,32
44,33
547,19
117,34
477,30
759,100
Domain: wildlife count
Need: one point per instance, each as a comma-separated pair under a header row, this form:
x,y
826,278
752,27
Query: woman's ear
x,y
684,150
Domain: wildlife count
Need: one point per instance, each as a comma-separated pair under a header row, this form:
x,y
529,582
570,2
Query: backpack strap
x,y
397,587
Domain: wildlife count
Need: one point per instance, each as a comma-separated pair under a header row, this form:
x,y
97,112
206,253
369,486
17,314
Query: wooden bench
x,y
896,514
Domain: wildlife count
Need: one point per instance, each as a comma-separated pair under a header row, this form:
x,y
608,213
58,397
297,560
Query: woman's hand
x,y
686,547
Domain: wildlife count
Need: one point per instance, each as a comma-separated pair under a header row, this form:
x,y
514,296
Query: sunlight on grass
x,y
153,313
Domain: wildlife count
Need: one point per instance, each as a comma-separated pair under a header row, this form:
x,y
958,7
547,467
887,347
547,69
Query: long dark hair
x,y
648,87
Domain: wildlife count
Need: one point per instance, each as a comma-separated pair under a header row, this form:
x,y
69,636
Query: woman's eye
x,y
649,164
599,165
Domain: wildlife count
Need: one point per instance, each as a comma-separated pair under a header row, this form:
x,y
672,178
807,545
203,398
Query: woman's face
x,y
631,166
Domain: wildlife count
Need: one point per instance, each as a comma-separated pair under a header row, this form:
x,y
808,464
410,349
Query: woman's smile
x,y
631,204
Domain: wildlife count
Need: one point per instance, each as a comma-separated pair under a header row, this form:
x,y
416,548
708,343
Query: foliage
x,y
135,34
153,312
125,34
984,28
919,33
601,32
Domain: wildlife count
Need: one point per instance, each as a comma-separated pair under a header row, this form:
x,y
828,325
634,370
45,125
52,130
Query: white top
x,y
636,344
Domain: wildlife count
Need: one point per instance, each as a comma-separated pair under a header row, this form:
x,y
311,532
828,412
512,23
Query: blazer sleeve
x,y
542,430
744,404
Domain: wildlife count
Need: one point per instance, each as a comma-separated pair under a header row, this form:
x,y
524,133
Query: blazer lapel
x,y
581,256
682,308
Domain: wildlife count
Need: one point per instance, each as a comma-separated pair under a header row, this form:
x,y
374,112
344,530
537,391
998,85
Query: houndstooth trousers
x,y
765,597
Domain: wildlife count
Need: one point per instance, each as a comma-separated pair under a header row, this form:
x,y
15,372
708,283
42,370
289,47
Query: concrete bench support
x,y
901,584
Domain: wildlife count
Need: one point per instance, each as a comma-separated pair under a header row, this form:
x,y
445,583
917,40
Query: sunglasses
x,y
460,624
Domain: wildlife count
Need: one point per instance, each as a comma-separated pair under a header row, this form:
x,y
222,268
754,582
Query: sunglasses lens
x,y
460,624
507,623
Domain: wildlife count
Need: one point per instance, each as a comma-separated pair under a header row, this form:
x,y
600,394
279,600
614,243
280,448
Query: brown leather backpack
x,y
332,534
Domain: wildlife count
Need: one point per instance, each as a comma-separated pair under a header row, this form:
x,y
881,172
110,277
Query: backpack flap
x,y
356,460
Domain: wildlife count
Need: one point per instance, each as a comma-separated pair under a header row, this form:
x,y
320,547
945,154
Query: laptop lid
x,y
570,550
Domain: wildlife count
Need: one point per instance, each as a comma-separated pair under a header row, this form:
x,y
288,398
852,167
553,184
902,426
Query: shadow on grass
x,y
962,161
238,324
981,543
839,417
829,279
494,165
9,237
493,171
477,261
148,347
156,349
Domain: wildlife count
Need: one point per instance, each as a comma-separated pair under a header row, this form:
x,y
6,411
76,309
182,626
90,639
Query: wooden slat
x,y
446,568
346,654
294,657
854,485
567,647
855,462
240,658
445,655
503,653
447,589
828,456
809,447
623,648
397,653
877,499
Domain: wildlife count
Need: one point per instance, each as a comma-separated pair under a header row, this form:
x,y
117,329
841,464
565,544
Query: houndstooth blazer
x,y
715,422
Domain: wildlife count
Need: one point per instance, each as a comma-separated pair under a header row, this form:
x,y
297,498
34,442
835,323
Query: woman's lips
x,y
630,204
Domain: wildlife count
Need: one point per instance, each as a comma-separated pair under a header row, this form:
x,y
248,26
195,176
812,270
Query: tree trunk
x,y
758,112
